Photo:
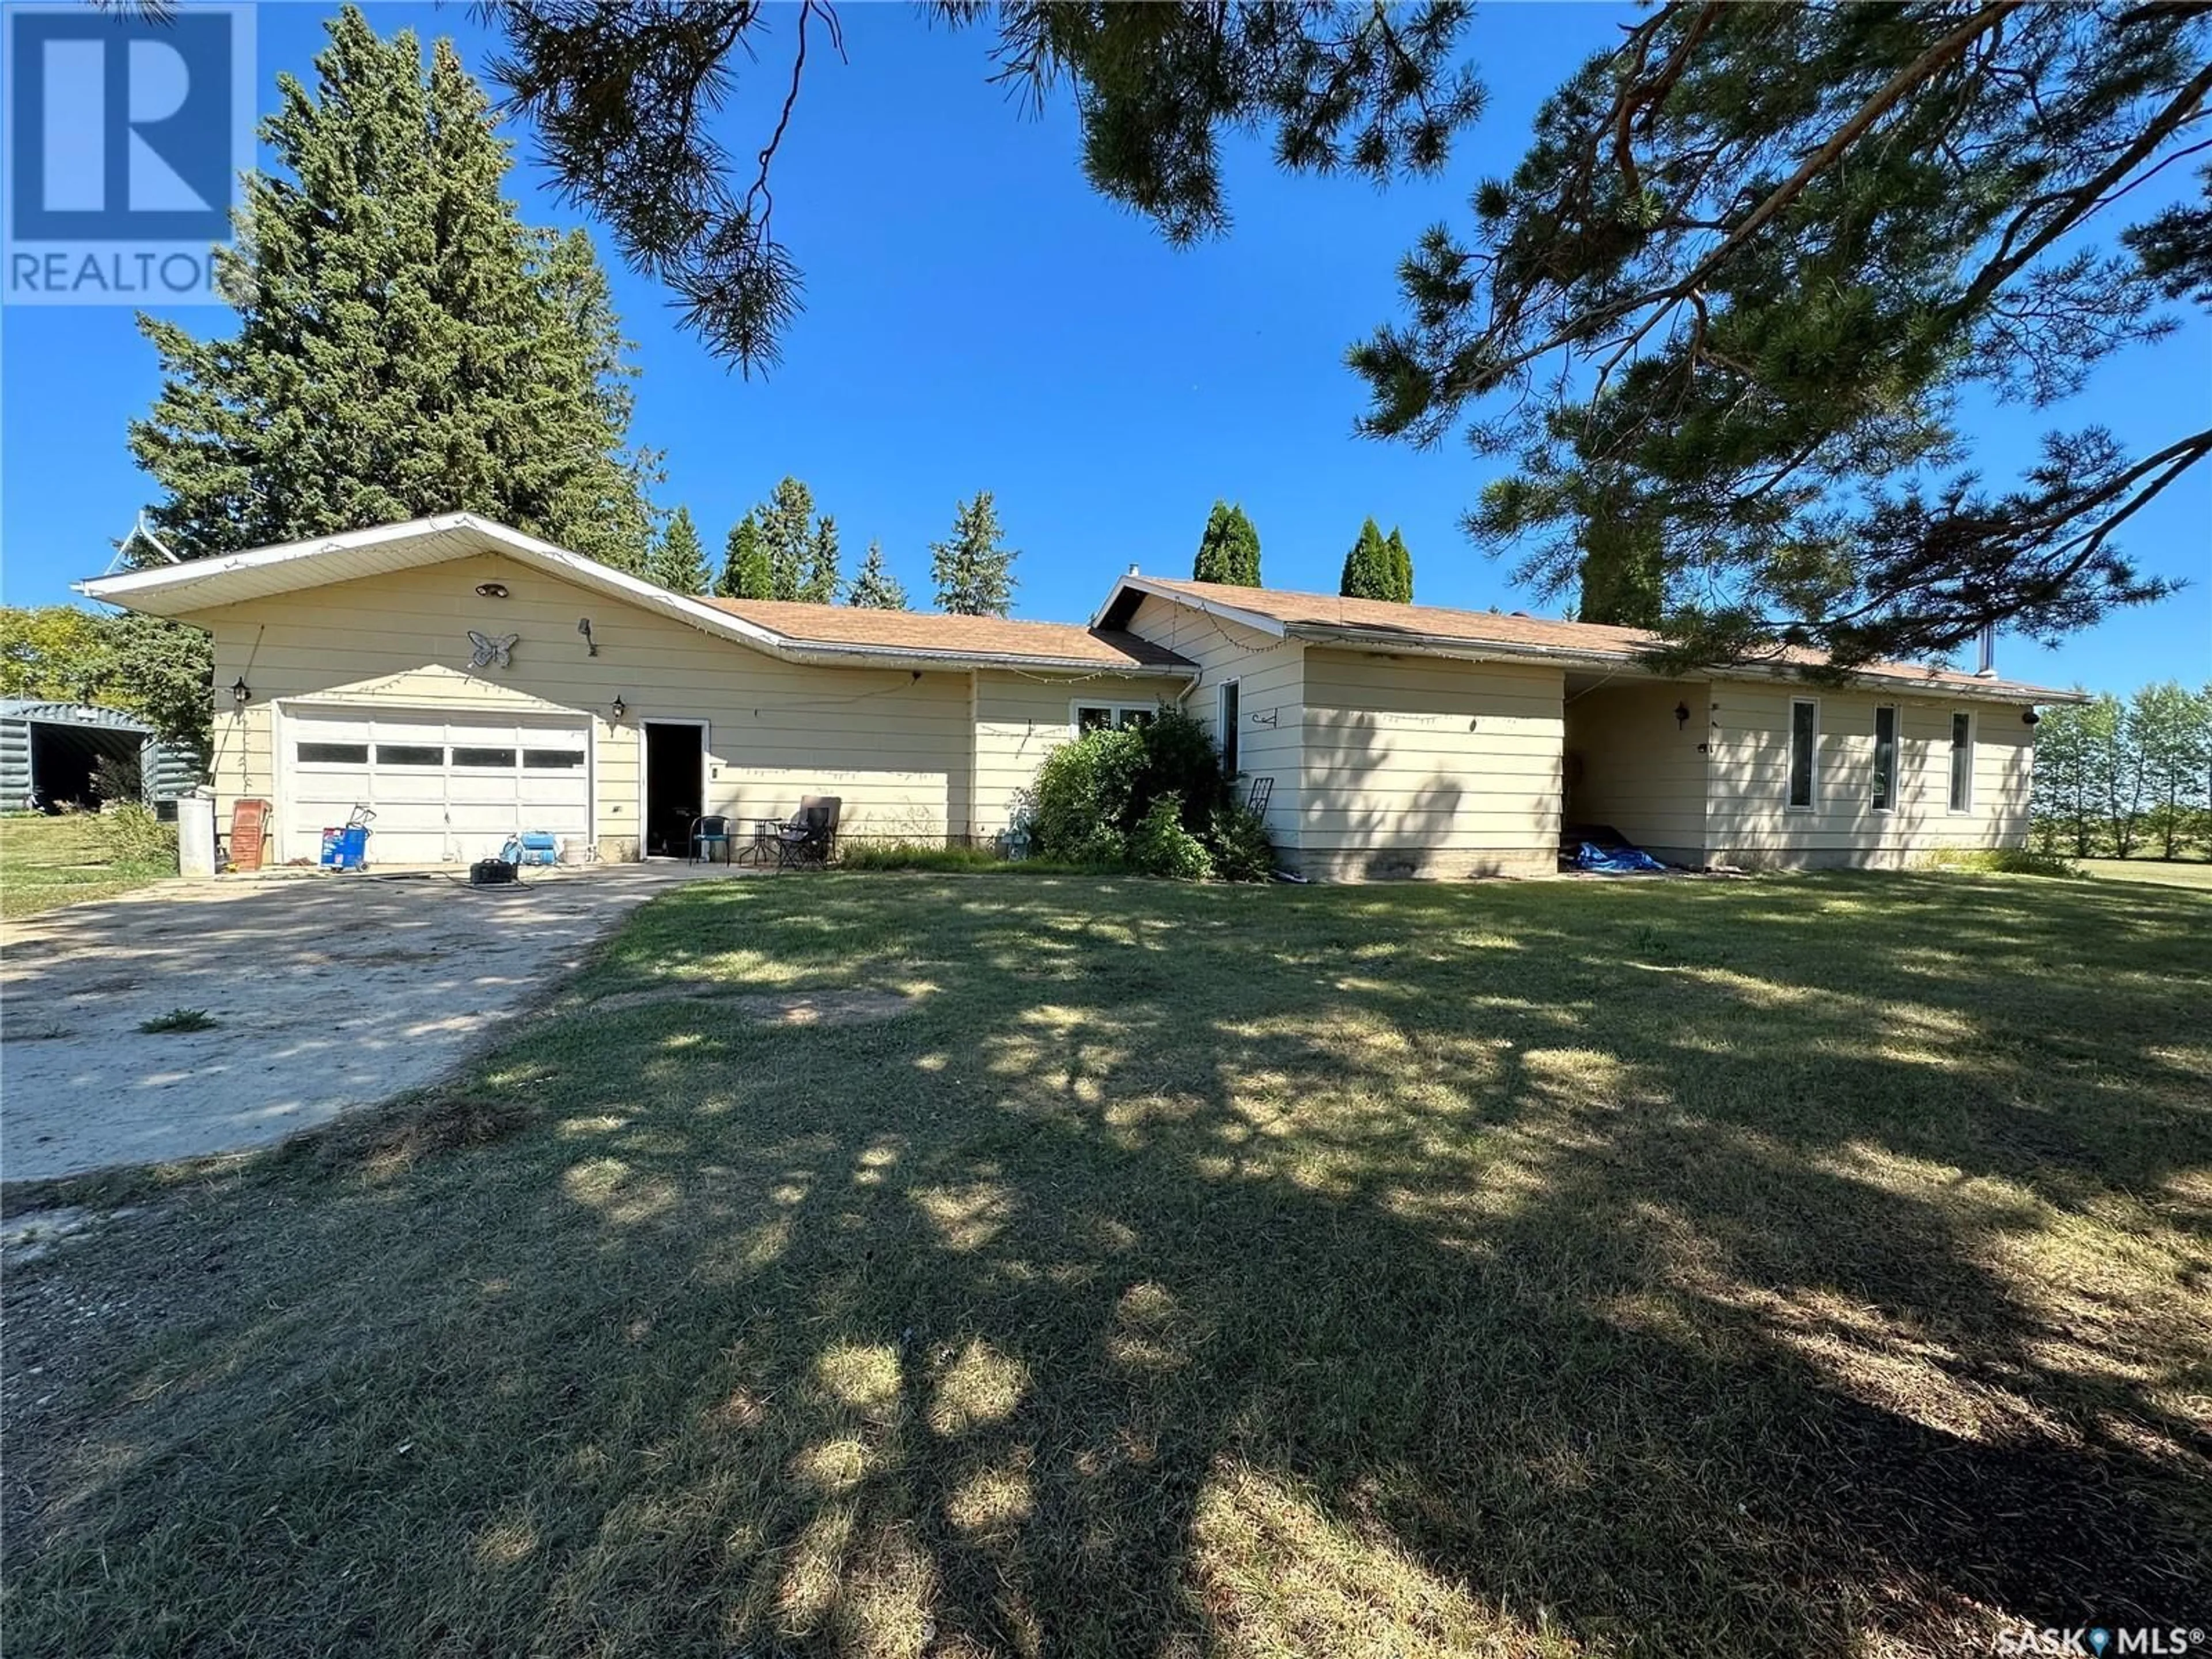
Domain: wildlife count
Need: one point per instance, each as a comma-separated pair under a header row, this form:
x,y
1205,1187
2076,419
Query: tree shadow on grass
x,y
1731,1269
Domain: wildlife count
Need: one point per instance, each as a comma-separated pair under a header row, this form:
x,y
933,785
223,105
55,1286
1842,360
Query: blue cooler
x,y
346,848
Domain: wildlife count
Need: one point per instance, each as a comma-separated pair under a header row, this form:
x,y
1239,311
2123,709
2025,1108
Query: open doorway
x,y
675,784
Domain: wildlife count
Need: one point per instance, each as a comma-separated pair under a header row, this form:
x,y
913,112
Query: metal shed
x,y
50,754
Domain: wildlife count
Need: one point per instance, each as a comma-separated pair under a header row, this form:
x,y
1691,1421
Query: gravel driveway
x,y
329,992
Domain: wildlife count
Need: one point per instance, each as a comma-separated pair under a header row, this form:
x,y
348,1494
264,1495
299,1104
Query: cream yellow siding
x,y
1270,676
896,745
1020,718
1750,824
1632,766
1421,766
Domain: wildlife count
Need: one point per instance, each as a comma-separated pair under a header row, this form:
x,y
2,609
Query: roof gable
x,y
824,635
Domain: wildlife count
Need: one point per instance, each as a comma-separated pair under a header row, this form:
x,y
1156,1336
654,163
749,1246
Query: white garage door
x,y
445,790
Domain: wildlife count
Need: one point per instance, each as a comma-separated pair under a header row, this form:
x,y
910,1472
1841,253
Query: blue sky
x,y
978,319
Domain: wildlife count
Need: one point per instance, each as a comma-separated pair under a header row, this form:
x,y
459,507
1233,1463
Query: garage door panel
x,y
442,789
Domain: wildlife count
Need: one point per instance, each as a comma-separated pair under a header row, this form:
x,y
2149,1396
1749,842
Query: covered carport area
x,y
1636,749
54,755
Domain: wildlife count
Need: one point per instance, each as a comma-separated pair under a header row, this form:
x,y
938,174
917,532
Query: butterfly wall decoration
x,y
486,651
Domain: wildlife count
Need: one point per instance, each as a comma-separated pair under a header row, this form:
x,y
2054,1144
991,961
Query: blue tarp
x,y
1615,861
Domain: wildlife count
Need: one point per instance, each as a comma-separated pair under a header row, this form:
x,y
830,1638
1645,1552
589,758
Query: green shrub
x,y
1242,850
132,837
2003,861
1160,846
1082,804
1180,759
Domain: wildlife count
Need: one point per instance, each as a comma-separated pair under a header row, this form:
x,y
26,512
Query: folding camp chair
x,y
809,839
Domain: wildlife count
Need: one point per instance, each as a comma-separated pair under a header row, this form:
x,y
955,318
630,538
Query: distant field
x,y
2182,873
45,862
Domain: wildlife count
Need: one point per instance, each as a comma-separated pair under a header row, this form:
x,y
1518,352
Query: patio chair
x,y
808,840
708,833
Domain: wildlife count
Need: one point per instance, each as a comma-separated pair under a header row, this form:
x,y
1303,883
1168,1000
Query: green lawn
x,y
50,861
2179,872
1794,1266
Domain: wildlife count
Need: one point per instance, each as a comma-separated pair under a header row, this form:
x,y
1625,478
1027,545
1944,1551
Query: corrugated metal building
x,y
51,753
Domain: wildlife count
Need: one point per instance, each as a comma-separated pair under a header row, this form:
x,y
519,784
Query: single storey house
x,y
464,680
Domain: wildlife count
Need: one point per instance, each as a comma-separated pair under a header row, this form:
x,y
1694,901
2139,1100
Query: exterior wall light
x,y
1681,716
2029,717
491,590
240,692
620,706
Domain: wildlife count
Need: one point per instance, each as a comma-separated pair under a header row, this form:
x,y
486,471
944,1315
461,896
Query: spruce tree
x,y
1367,573
787,539
1401,564
404,344
817,581
745,563
973,572
875,588
677,562
1228,552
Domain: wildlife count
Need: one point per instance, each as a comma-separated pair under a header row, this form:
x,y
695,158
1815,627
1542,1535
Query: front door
x,y
675,784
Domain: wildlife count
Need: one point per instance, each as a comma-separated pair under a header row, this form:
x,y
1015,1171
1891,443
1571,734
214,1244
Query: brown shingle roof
x,y
1305,611
981,636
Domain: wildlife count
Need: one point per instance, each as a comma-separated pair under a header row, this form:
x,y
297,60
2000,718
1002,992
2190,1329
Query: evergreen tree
x,y
677,562
615,94
973,572
1230,550
817,581
745,563
1744,276
787,539
1401,564
1367,573
404,345
875,588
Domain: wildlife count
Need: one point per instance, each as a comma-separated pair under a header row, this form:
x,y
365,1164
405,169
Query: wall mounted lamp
x,y
240,692
620,707
2029,717
1681,716
491,590
590,645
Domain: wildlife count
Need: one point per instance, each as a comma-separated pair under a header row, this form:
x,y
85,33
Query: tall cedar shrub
x,y
1229,551
1367,571
404,344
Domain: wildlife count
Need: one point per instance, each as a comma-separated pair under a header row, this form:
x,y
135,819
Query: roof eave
x,y
2007,691
864,656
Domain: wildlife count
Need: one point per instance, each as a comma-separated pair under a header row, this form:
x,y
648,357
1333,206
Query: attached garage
x,y
444,788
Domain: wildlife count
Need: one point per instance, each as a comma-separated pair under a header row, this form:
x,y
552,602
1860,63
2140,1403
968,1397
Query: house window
x,y
1804,752
334,754
410,754
485,759
1104,716
1885,757
1229,718
1962,762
